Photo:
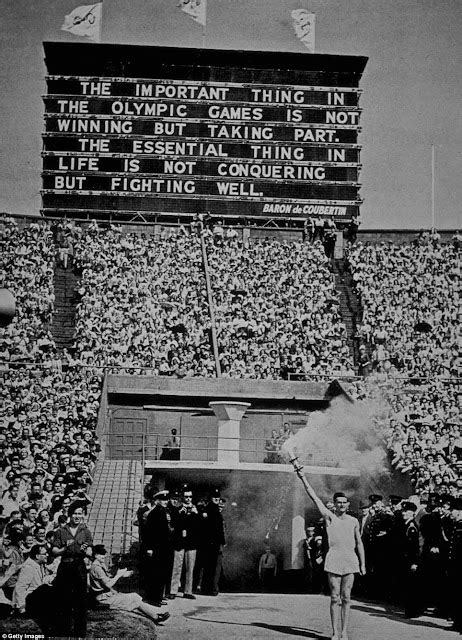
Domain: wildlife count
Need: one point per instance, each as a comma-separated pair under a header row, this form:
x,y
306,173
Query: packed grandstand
x,y
144,307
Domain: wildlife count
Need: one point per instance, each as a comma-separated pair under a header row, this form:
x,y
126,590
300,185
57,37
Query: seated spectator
x,y
33,574
102,588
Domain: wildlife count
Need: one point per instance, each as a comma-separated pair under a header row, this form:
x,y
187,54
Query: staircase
x,y
63,323
116,492
350,306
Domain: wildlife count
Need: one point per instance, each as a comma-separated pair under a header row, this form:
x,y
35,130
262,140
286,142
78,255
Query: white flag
x,y
196,9
85,21
304,27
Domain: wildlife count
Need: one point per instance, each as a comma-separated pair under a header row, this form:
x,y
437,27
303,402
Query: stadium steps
x,y
63,322
350,306
116,492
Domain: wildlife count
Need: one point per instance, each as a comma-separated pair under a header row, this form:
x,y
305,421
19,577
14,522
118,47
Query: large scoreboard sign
x,y
162,132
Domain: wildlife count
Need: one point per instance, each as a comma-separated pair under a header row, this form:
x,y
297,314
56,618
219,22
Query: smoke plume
x,y
344,435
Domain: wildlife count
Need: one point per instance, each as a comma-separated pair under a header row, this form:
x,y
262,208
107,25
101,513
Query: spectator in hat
x,y
102,588
158,533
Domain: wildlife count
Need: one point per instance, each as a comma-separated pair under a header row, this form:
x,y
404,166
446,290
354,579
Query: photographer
x,y
186,541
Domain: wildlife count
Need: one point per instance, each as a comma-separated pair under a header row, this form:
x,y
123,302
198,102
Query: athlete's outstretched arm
x,y
311,492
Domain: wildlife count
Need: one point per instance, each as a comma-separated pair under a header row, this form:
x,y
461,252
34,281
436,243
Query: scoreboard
x,y
158,132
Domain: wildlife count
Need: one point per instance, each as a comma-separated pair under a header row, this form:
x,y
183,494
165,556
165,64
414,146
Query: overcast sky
x,y
411,99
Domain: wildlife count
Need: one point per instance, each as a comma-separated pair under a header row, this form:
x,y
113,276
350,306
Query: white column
x,y
229,416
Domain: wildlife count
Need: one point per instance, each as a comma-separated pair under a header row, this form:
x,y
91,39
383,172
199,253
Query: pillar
x,y
229,416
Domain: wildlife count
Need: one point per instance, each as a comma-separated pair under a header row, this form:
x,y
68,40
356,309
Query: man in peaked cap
x,y
213,545
378,535
409,562
159,547
455,565
432,565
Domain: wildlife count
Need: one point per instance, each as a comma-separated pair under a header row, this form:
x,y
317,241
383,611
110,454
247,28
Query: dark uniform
x,y
409,563
378,537
432,559
213,549
455,568
159,539
71,580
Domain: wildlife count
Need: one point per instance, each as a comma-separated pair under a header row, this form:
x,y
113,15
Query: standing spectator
x,y
267,569
73,543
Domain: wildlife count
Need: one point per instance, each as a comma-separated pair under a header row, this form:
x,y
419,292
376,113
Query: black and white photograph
x,y
230,337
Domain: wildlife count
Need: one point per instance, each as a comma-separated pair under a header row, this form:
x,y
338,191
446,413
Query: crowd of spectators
x,y
48,407
143,308
277,310
411,352
143,303
274,444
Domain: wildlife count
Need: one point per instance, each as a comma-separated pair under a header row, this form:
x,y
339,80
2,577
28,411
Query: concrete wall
x,y
208,389
198,433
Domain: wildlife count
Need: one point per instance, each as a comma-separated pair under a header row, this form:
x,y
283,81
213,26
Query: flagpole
x,y
100,34
433,186
204,26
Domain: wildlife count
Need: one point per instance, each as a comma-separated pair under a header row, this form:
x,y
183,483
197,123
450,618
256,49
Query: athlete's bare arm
x,y
324,511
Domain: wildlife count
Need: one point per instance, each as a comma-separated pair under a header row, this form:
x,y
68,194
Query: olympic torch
x,y
298,468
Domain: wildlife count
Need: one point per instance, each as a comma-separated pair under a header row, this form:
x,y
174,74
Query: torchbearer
x,y
345,556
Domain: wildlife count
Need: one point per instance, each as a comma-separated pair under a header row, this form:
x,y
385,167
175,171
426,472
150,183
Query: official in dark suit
x,y
158,534
455,565
410,562
213,545
378,535
432,558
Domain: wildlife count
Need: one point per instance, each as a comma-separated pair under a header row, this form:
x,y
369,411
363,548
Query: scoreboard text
x,y
182,146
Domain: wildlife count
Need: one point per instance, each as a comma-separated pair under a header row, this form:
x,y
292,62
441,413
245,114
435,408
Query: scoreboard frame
x,y
161,132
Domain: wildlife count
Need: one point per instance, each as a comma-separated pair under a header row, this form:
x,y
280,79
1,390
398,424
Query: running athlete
x,y
344,558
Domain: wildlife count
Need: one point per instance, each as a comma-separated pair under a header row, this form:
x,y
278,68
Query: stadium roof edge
x,y
61,57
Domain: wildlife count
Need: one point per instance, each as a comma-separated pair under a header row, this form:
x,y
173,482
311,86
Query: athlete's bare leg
x,y
335,582
345,596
